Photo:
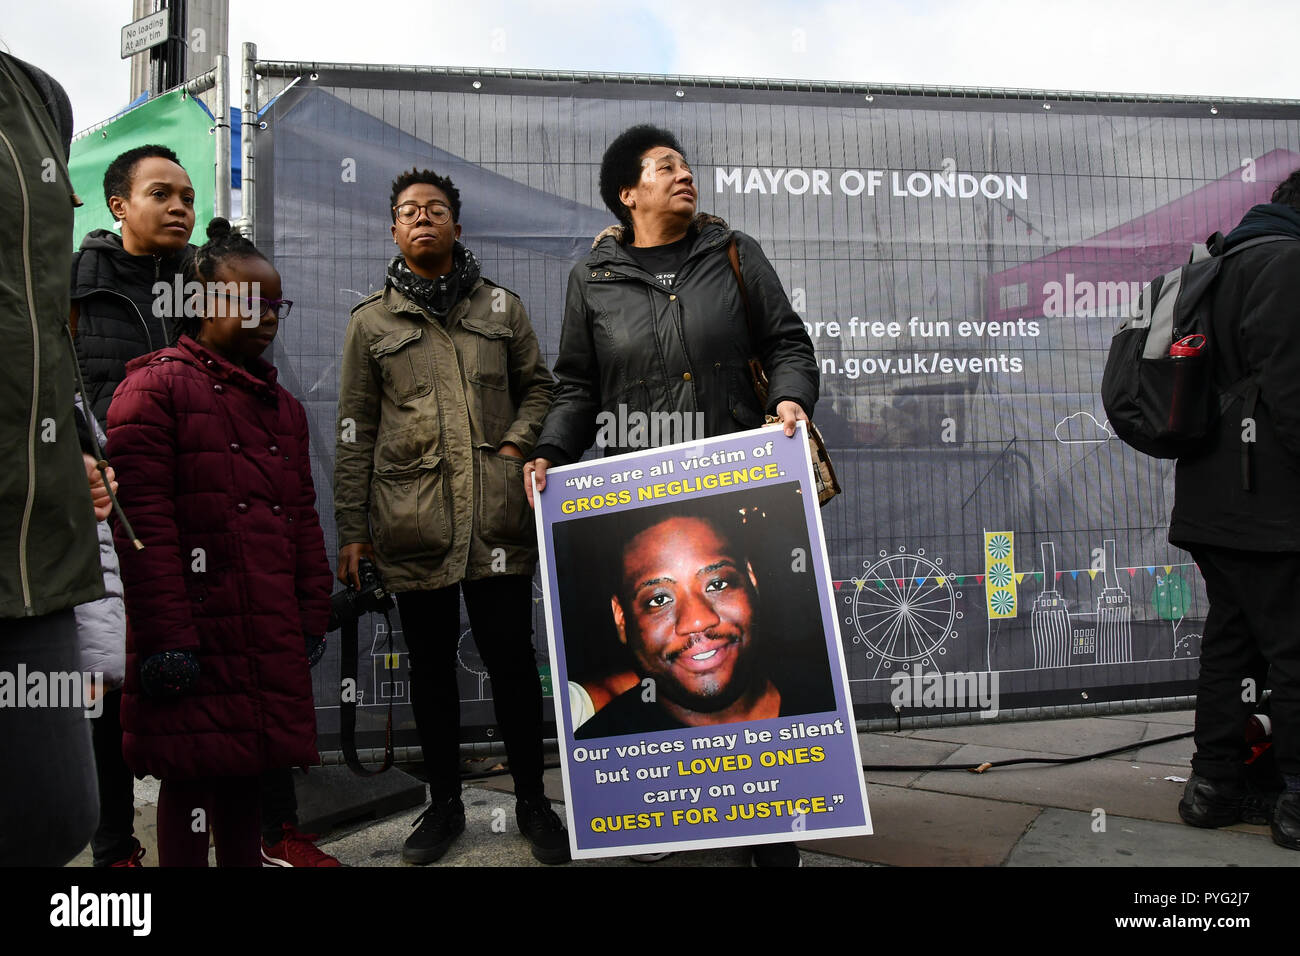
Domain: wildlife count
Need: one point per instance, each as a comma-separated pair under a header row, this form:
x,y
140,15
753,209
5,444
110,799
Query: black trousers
x,y
48,796
1251,634
114,838
501,616
279,803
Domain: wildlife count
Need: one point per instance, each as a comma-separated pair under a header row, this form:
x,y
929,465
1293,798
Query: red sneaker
x,y
133,860
295,849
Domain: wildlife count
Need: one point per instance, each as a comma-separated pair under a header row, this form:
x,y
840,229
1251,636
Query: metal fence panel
x,y
976,252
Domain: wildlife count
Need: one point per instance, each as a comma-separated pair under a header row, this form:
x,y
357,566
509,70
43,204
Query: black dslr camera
x,y
348,605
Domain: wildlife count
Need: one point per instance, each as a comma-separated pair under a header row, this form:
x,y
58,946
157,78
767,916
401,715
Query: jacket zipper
x,y
652,284
681,338
444,465
677,327
134,308
157,275
25,527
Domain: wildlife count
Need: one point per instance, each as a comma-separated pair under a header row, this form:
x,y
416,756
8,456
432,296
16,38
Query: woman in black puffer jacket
x,y
118,310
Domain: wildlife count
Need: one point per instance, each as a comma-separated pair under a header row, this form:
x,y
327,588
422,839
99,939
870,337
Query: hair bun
x,y
219,229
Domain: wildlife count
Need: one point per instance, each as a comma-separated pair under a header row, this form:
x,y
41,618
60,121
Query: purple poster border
x,y
787,778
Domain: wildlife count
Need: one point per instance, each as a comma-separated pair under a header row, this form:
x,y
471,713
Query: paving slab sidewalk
x,y
1028,815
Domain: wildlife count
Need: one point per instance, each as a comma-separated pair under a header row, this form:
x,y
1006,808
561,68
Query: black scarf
x,y
1266,219
439,295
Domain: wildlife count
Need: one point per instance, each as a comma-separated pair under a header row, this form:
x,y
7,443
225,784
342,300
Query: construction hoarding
x,y
961,262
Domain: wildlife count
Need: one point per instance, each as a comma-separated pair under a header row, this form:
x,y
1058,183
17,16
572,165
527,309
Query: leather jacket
x,y
630,344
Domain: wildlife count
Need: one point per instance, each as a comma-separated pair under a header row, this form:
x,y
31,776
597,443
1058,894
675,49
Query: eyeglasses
x,y
409,212
256,306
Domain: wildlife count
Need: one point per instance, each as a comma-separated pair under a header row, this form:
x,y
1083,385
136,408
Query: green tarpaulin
x,y
175,120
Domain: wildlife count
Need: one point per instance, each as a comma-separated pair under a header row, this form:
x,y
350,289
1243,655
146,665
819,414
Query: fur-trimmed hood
x,y
702,219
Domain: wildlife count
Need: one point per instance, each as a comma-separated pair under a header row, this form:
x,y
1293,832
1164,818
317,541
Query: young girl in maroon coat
x,y
231,591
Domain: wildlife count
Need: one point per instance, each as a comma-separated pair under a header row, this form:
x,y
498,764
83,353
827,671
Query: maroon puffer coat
x,y
215,477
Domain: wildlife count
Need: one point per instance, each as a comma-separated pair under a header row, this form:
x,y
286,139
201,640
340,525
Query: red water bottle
x,y
1259,735
1187,399
1189,346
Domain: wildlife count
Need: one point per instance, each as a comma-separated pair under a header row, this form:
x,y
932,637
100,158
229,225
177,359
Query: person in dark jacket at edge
x,y
1237,510
49,560
654,322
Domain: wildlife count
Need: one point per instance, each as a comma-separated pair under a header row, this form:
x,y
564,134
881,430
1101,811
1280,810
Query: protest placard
x,y
690,617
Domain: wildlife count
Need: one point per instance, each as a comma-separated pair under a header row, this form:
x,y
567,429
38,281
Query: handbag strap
x,y
757,374
734,258
823,470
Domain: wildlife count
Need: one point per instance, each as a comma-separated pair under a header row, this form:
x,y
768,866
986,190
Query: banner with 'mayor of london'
x,y
960,262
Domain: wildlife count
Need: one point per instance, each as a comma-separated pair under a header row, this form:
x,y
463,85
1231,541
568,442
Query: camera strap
x,y
348,702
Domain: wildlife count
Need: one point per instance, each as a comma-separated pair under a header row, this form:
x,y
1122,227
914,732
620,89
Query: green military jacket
x,y
423,410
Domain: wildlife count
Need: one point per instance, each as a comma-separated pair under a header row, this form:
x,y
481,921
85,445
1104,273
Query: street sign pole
x,y
163,33
175,48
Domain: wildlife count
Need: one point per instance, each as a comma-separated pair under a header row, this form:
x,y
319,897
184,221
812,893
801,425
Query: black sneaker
x,y
775,854
1257,805
540,824
438,826
1286,821
1211,803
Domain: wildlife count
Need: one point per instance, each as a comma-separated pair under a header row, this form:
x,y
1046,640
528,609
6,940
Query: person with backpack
x,y
1237,511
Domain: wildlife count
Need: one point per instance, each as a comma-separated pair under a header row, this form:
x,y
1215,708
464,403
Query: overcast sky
x,y
1190,47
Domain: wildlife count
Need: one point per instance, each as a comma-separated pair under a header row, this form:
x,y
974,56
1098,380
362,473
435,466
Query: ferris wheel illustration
x,y
468,656
904,608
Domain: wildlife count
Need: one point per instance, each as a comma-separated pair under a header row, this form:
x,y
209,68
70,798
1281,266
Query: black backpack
x,y
1158,386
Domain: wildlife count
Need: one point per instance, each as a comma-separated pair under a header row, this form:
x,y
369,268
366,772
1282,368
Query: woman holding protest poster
x,y
661,321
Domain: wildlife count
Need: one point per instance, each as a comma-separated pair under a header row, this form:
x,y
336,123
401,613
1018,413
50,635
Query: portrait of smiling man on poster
x,y
701,644
691,617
